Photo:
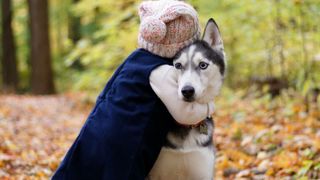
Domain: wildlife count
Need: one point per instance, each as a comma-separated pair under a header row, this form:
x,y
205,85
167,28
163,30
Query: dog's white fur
x,y
184,165
190,162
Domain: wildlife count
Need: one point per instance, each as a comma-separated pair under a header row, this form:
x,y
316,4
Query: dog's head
x,y
201,66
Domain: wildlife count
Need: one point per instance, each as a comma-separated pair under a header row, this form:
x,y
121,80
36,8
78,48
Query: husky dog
x,y
188,153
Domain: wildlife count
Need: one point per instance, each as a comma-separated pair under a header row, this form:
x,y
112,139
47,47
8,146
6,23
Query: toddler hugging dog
x,y
126,129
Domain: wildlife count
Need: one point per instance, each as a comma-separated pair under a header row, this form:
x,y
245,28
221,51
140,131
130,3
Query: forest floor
x,y
255,138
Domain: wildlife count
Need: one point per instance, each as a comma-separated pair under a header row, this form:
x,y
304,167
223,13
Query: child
x,y
124,133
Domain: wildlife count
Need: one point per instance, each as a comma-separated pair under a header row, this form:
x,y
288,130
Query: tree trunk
x,y
75,34
74,26
9,64
41,70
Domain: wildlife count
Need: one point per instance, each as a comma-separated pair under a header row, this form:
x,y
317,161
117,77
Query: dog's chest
x,y
172,164
187,155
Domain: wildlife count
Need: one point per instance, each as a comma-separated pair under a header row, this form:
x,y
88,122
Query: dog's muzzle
x,y
188,93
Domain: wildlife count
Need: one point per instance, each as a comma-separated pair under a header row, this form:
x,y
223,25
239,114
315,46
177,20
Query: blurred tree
x,y
75,34
74,25
9,64
41,70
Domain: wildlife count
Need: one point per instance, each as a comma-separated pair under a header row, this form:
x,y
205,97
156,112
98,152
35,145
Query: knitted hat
x,y
167,26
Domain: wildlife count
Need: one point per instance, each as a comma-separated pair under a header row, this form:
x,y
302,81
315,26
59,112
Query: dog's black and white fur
x,y
188,153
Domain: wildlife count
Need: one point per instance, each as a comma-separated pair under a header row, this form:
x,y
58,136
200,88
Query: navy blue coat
x,y
123,135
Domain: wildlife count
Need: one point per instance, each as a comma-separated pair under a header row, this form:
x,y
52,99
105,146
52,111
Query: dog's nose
x,y
187,92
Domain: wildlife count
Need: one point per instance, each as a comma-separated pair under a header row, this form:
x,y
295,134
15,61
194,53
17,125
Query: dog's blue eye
x,y
178,66
203,65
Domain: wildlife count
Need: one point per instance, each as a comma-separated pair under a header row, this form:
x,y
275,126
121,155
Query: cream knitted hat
x,y
167,26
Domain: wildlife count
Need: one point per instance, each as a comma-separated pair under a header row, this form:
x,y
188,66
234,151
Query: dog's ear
x,y
212,35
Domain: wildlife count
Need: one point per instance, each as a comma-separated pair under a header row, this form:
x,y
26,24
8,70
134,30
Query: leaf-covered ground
x,y
35,133
263,139
255,138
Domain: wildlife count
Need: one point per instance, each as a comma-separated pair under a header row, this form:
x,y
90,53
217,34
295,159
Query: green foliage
x,y
109,33
277,38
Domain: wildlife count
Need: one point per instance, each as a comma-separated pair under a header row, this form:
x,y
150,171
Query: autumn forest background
x,y
57,55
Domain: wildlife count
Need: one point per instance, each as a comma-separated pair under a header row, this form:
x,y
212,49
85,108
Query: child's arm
x,y
163,81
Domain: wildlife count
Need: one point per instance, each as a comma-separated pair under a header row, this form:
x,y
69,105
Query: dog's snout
x,y
187,92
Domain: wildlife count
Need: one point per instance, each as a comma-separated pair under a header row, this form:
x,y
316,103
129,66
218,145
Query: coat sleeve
x,y
163,81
